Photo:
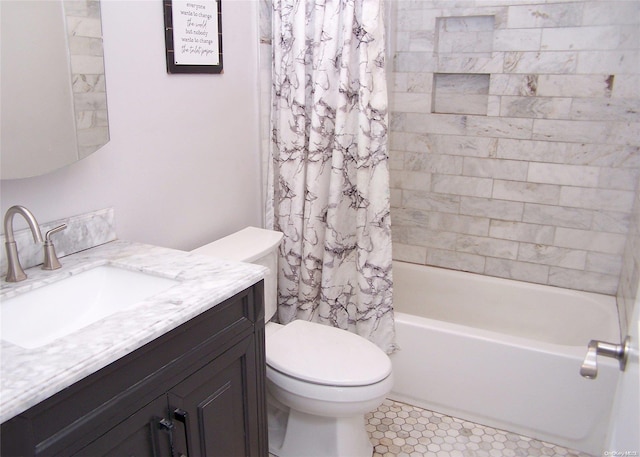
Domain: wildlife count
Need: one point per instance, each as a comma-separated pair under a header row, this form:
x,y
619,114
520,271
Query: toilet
x,y
321,380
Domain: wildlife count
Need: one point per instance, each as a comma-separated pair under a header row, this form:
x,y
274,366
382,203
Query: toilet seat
x,y
324,355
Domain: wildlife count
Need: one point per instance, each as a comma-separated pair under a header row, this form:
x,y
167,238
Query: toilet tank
x,y
252,245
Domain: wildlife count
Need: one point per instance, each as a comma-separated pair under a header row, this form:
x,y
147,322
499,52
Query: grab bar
x,y
589,368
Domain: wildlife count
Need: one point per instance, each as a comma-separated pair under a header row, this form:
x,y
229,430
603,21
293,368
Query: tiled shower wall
x,y
515,137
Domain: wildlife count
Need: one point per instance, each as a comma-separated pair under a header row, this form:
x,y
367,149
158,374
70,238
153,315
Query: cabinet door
x,y
212,408
140,435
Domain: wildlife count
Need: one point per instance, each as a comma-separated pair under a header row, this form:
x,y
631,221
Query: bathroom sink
x,y
38,317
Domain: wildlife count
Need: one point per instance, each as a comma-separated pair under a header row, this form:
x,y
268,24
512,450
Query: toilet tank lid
x,y
246,245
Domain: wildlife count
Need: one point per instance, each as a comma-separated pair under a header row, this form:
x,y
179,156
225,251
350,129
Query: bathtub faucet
x,y
589,368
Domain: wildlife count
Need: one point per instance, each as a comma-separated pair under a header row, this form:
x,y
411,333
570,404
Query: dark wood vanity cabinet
x,y
198,390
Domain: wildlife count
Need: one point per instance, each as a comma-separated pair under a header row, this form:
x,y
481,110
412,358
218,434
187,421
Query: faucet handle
x,y
51,261
589,368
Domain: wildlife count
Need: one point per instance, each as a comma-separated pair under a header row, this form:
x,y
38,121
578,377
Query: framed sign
x,y
193,36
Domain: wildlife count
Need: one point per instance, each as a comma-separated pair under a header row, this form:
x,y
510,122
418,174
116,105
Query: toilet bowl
x,y
321,380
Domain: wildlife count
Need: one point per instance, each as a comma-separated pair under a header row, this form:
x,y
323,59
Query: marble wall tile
x,y
510,84
561,216
504,249
412,254
597,37
543,16
434,163
520,231
431,238
517,39
553,255
456,260
431,201
410,102
540,62
495,168
521,271
604,263
462,185
492,208
597,199
608,109
611,62
569,131
609,243
526,192
583,280
610,12
547,163
575,85
619,178
536,107
570,175
611,221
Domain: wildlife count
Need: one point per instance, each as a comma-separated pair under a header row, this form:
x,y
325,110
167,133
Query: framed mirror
x,y
52,85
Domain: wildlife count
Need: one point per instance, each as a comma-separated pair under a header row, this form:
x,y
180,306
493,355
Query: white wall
x,y
182,166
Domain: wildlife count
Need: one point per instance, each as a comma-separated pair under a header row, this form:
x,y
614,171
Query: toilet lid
x,y
326,355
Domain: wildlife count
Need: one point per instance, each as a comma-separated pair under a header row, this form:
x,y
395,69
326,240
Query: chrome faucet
x,y
15,272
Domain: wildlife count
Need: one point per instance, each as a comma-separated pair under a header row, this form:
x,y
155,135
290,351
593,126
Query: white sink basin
x,y
38,317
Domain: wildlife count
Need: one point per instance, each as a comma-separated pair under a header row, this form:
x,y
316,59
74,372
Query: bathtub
x,y
504,353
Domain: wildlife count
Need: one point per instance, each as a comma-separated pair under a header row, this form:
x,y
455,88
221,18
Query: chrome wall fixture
x,y
589,368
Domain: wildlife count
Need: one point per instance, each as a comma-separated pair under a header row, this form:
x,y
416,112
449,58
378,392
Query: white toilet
x,y
321,380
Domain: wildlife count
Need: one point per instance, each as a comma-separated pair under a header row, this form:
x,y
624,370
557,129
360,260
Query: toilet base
x,y
294,434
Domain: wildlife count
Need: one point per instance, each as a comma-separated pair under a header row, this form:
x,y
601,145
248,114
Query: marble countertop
x,y
28,376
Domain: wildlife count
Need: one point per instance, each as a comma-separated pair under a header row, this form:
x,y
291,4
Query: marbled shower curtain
x,y
330,177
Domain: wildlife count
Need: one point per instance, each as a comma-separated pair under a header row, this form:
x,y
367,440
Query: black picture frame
x,y
193,41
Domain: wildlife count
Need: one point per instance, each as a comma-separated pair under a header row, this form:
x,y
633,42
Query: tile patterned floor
x,y
401,430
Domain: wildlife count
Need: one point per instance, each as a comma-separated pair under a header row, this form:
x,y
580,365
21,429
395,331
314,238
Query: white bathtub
x,y
504,353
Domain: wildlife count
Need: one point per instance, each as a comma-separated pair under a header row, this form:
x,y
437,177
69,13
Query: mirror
x,y
52,85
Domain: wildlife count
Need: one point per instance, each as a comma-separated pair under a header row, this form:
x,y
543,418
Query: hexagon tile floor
x,y
401,430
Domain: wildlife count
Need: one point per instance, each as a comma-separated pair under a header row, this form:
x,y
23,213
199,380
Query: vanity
x,y
178,373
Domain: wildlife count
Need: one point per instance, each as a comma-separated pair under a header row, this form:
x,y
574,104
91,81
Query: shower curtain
x,y
330,165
